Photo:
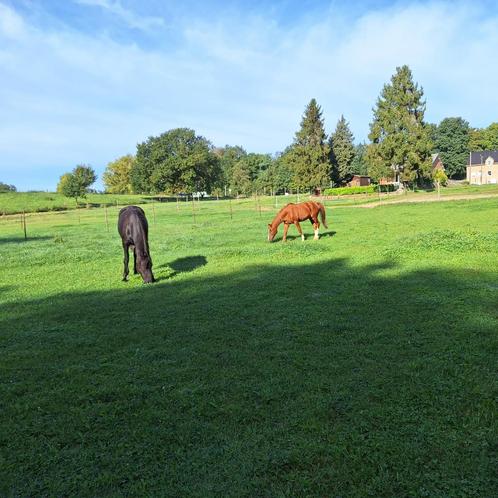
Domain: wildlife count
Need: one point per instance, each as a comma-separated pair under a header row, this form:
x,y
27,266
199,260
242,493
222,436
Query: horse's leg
x,y
135,272
286,227
316,226
299,229
126,261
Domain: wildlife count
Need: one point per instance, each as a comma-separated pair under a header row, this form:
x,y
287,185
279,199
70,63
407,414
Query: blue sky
x,y
83,81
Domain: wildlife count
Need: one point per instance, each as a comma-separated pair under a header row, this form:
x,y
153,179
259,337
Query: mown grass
x,y
364,364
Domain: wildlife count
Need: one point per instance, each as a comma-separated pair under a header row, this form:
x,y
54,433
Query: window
x,y
489,173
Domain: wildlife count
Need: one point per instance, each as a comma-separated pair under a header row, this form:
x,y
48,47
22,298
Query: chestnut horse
x,y
294,213
134,231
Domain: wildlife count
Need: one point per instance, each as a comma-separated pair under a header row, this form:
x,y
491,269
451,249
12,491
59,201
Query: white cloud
x,y
130,18
69,97
11,24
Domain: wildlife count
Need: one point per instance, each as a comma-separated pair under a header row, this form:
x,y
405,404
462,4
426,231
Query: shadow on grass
x,y
17,240
182,265
308,236
313,380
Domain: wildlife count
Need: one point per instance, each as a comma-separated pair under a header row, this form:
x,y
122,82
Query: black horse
x,y
134,231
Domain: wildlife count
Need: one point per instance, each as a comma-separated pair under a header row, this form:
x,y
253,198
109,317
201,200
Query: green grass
x,y
31,202
17,202
363,364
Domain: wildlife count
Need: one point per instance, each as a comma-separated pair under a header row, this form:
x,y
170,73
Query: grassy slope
x,y
17,202
360,365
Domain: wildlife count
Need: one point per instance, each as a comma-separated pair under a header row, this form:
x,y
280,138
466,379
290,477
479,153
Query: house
x,y
359,181
436,162
482,167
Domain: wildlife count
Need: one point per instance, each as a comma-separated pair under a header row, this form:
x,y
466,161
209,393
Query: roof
x,y
480,156
434,157
361,176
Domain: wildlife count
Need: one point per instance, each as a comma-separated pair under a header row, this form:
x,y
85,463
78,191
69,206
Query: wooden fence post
x,y
106,218
24,219
193,209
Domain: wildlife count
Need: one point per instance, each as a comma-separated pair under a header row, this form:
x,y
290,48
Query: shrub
x,y
370,189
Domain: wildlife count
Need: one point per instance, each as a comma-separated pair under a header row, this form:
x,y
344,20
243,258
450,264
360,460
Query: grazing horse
x,y
134,230
294,213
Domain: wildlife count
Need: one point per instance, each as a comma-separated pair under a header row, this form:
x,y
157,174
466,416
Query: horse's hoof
x,y
124,279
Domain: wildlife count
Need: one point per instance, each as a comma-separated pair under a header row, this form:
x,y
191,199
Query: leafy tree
x,y
359,165
4,187
484,138
229,156
241,183
342,152
308,156
491,134
278,176
76,183
452,142
117,176
176,161
400,141
439,177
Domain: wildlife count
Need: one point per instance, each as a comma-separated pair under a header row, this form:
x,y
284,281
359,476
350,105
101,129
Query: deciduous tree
x,y
452,143
75,184
117,176
176,161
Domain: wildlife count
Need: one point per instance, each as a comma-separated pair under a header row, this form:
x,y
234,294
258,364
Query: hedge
x,y
370,189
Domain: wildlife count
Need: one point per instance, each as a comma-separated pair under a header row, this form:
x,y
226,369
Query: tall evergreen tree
x,y
307,158
342,152
400,140
452,142
359,164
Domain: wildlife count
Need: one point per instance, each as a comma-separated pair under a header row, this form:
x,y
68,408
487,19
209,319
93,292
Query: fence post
x,y
106,219
24,220
154,211
231,211
193,209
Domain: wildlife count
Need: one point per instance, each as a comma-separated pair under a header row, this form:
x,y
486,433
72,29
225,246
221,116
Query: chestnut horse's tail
x,y
322,214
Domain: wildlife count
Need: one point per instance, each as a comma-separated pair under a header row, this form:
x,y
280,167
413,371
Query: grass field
x,y
30,202
362,364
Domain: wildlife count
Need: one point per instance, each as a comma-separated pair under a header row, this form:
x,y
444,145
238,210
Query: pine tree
x,y
401,145
342,152
359,164
307,157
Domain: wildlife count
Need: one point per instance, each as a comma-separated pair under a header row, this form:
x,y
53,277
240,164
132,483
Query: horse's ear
x,y
269,225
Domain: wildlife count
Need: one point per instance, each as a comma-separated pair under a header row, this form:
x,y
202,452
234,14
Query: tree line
x,y
400,146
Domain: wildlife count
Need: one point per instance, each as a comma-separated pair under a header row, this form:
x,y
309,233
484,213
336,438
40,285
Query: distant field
x,y
17,202
363,364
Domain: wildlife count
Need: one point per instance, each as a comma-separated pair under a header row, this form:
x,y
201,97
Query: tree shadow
x,y
319,379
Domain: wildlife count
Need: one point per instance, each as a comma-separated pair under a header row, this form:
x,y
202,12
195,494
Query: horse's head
x,y
144,267
272,231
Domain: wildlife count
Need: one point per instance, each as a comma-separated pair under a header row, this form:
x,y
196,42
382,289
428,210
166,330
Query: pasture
x,y
362,364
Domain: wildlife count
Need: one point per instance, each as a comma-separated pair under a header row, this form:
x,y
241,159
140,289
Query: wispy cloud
x,y
130,18
68,96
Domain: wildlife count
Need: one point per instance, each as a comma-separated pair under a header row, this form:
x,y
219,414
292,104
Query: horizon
x,y
85,81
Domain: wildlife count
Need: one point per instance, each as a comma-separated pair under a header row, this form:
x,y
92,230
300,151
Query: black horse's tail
x,y
322,215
